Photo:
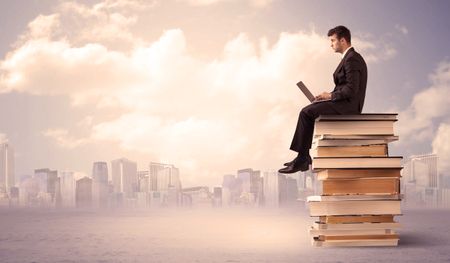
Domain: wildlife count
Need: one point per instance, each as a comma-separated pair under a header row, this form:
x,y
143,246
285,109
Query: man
x,y
347,97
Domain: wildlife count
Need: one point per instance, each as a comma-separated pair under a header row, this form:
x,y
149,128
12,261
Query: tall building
x,y
422,170
143,181
47,182
83,192
124,177
29,191
252,186
421,181
231,190
272,189
67,184
164,176
291,191
100,184
7,175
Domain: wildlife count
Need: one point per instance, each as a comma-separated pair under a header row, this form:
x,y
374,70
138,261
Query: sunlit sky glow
x,y
208,85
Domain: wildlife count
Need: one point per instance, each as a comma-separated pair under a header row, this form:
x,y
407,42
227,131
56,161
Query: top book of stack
x,y
360,125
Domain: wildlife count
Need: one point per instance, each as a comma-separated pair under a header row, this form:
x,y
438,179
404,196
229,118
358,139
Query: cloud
x,y
374,51
426,119
210,117
62,137
427,106
402,29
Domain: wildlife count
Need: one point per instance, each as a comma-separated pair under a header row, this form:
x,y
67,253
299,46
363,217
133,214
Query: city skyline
x,y
160,185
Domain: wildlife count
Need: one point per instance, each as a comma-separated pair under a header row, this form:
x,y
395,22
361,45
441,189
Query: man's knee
x,y
307,112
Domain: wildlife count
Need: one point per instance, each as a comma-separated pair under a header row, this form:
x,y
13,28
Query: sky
x,y
208,85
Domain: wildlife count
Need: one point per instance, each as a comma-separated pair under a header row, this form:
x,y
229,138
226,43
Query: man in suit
x,y
347,97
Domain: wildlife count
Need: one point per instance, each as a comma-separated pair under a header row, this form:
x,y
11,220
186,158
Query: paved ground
x,y
245,235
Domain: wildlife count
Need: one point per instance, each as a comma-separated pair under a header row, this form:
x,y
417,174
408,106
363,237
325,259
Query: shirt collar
x,y
345,52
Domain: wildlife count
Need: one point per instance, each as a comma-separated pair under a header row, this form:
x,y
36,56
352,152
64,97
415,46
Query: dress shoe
x,y
291,162
298,165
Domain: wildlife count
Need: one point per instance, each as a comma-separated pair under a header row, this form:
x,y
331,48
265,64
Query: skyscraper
x,y
164,176
7,175
272,188
100,184
67,184
83,194
47,182
124,177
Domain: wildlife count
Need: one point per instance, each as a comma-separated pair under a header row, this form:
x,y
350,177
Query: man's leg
x,y
301,142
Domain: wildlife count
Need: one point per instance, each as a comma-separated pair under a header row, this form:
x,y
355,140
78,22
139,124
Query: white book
x,y
318,198
372,207
345,142
354,128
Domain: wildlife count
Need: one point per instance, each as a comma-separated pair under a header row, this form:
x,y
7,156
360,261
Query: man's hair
x,y
341,32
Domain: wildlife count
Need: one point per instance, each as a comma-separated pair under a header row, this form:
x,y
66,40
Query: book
x,y
378,150
351,137
359,181
358,117
354,197
356,219
372,207
346,142
350,232
357,173
377,185
353,127
355,226
356,162
356,237
356,243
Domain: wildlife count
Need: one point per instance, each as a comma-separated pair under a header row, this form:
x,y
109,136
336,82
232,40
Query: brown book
x,y
351,140
356,219
380,185
356,243
350,151
385,236
357,173
356,162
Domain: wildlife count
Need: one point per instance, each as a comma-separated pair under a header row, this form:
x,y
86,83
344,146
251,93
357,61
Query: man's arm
x,y
352,69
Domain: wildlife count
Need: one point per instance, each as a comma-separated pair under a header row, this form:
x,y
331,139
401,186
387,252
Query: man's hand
x,y
323,96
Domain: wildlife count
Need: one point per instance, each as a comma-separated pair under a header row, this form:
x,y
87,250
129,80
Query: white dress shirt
x,y
345,52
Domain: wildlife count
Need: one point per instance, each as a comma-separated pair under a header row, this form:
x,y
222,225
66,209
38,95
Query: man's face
x,y
336,44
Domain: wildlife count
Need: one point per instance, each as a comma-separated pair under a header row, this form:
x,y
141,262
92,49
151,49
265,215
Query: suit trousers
x,y
302,140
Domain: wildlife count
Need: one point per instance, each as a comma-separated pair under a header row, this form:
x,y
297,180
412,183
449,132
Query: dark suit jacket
x,y
350,78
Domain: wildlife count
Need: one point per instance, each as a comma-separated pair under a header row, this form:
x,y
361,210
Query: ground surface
x,y
244,235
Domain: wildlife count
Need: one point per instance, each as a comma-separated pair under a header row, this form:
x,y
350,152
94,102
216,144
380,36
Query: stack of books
x,y
360,181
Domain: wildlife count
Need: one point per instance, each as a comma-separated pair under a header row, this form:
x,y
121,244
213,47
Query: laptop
x,y
308,93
